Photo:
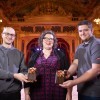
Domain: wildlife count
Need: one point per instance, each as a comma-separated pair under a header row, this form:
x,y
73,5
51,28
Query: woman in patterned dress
x,y
47,61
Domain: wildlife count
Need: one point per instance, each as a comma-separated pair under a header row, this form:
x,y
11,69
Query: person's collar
x,y
89,41
6,47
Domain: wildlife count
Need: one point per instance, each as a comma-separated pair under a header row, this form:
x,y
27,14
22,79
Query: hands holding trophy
x,y
32,74
61,76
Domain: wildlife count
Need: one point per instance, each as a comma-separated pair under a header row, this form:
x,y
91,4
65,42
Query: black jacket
x,y
64,61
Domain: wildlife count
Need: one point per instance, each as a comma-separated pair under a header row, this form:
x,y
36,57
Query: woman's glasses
x,y
48,39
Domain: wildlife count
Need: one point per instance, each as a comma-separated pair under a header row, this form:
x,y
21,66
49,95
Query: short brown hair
x,y
85,22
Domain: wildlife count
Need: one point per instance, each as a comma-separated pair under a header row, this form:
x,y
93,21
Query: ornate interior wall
x,y
30,19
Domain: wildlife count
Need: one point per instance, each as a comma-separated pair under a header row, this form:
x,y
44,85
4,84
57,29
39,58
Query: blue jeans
x,y
83,97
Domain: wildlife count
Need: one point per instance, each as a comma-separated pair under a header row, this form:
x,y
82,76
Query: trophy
x,y
60,76
32,74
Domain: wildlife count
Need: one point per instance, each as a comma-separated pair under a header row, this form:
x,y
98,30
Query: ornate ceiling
x,y
74,8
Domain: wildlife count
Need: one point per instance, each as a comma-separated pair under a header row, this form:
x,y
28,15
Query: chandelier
x,y
97,20
0,20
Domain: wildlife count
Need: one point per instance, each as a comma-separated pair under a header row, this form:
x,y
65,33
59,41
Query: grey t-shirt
x,y
11,61
87,54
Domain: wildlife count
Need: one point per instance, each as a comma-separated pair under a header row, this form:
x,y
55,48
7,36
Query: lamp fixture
x,y
0,20
97,20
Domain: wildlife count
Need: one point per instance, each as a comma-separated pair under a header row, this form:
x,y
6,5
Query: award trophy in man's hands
x,y
32,74
60,77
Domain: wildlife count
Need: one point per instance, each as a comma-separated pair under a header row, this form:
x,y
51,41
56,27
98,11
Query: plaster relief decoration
x,y
96,13
48,9
26,10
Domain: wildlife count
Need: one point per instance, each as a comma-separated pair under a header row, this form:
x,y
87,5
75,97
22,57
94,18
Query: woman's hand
x,y
27,97
69,94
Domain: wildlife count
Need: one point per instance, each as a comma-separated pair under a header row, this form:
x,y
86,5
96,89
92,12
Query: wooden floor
x,y
74,94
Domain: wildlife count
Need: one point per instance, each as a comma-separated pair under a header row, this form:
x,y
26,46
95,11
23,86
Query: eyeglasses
x,y
48,39
8,34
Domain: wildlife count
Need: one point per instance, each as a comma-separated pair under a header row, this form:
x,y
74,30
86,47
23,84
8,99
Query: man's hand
x,y
21,77
68,84
67,74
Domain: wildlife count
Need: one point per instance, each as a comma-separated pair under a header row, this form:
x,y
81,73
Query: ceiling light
x,y
0,20
97,21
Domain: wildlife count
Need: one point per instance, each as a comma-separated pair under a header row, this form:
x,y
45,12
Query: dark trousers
x,y
83,97
10,96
